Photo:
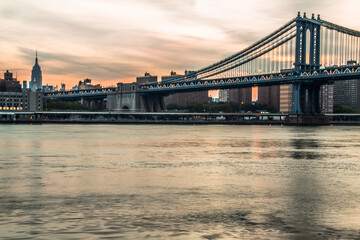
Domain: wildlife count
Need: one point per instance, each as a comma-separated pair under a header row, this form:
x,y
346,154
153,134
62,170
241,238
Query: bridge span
x,y
306,53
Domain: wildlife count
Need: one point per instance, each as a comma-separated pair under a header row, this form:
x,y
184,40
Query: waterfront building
x,y
36,76
240,95
21,101
224,95
183,99
347,93
327,98
286,98
9,83
270,95
12,98
281,97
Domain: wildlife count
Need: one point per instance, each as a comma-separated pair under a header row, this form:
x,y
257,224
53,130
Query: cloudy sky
x,y
116,40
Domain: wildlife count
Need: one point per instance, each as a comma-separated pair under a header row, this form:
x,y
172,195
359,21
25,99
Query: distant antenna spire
x,y
36,58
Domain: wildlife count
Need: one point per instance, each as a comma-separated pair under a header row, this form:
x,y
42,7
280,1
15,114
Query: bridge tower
x,y
305,26
307,58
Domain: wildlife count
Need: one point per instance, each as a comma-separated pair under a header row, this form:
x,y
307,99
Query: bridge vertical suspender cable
x,y
351,48
336,47
341,48
357,49
354,48
276,59
332,47
347,45
325,62
322,48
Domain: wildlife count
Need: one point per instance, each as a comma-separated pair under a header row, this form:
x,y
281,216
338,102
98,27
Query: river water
x,y
179,182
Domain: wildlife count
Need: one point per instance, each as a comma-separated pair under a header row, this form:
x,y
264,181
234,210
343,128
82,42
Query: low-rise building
x,y
21,101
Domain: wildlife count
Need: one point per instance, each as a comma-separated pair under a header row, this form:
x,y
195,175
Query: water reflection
x,y
306,149
180,182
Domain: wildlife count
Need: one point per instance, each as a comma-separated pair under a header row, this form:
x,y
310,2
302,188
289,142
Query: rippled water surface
x,y
179,182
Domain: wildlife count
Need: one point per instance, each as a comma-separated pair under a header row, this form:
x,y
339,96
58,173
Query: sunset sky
x,y
116,40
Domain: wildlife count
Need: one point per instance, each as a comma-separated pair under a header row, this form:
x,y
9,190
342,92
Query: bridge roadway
x,y
78,95
321,76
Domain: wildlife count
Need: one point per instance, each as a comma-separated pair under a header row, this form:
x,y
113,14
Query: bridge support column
x,y
306,108
153,103
313,104
298,99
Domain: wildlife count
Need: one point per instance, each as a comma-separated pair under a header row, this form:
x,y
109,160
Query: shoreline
x,y
177,118
174,122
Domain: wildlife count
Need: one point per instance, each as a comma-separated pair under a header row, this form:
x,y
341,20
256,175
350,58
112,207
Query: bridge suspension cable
x,y
276,52
232,62
340,45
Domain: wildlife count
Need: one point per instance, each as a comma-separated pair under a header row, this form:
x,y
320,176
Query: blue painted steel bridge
x,y
305,52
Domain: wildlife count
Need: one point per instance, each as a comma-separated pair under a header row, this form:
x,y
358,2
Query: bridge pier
x,y
306,107
306,98
307,119
299,98
153,103
313,103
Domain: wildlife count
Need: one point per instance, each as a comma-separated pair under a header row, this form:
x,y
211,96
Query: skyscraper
x,y
270,95
36,77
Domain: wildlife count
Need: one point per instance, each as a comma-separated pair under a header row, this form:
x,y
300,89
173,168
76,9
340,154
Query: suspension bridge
x,y
306,53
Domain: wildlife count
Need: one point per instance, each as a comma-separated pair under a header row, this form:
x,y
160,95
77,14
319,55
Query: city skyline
x,y
111,41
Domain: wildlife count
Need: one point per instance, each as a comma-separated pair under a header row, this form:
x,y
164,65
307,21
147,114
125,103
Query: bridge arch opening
x,y
125,109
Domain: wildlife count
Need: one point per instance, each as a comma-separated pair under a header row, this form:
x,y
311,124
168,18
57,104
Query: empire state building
x,y
36,77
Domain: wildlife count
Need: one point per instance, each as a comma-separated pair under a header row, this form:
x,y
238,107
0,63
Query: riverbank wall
x,y
167,118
